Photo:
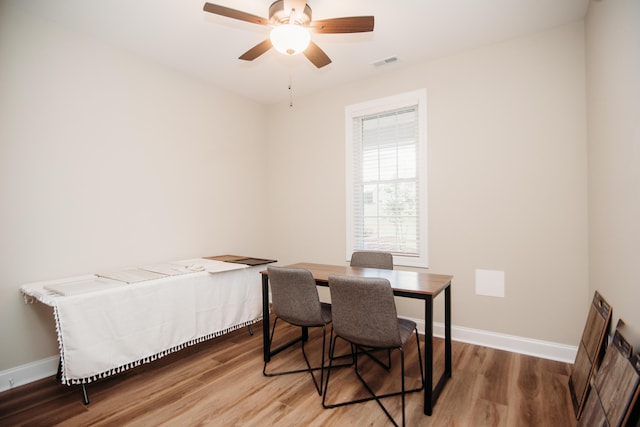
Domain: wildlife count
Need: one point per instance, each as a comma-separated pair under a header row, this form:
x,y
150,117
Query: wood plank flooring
x,y
220,383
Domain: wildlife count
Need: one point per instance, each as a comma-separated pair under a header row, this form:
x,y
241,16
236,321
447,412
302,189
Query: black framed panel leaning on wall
x,y
590,351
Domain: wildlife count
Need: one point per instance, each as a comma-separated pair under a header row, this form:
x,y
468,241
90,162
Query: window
x,y
386,172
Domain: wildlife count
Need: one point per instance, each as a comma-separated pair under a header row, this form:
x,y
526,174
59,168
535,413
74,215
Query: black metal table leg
x,y
431,394
447,331
265,317
428,355
85,395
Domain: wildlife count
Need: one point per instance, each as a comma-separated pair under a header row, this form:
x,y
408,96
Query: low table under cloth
x,y
119,326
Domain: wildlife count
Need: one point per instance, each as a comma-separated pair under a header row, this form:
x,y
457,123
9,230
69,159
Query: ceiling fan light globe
x,y
290,39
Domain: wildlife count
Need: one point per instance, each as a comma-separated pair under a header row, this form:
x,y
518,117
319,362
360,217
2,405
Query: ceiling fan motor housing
x,y
278,14
291,20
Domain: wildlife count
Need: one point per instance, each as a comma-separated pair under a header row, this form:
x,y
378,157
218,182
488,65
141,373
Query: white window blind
x,y
386,173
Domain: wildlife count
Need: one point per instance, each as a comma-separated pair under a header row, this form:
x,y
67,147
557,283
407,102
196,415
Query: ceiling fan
x,y
292,24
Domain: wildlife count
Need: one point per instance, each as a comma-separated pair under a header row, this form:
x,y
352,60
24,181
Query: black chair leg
x,y
378,397
309,368
356,351
419,357
403,393
332,347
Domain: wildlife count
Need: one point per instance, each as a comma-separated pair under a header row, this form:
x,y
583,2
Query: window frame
x,y
376,106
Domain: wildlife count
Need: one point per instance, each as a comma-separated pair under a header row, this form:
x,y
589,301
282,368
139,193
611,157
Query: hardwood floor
x,y
220,383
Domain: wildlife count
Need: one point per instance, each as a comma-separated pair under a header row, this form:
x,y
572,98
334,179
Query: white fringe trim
x,y
119,369
61,373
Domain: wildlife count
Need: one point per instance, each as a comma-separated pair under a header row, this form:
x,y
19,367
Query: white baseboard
x,y
39,369
29,372
543,349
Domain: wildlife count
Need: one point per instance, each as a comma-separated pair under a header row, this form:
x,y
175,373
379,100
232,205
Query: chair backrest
x,y
364,311
294,296
372,259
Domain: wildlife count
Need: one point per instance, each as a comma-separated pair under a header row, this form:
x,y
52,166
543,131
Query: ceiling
x,y
178,34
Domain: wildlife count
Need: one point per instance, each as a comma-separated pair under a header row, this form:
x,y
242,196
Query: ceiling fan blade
x,y
353,24
235,14
257,50
316,55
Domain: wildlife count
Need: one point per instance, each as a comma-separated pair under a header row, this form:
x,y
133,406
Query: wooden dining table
x,y
407,284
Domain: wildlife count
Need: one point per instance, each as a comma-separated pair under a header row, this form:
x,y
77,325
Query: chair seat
x,y
406,327
325,313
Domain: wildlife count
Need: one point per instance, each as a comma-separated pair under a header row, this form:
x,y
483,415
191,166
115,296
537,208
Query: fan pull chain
x,y
290,91
290,96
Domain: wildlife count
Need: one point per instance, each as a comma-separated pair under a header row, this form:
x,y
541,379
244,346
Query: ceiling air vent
x,y
385,61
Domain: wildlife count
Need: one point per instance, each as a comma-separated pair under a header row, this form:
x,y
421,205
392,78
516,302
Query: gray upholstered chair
x,y
295,300
364,314
372,259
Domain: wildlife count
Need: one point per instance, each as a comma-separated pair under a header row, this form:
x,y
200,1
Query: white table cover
x,y
117,327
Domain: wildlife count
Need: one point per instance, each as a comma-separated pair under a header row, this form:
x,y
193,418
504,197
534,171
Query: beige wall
x,y
613,88
107,161
507,179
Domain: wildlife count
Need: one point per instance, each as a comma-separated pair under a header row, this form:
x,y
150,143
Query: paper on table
x,y
170,269
75,287
133,275
212,266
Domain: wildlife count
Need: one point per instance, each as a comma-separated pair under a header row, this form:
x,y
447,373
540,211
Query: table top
x,y
411,283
